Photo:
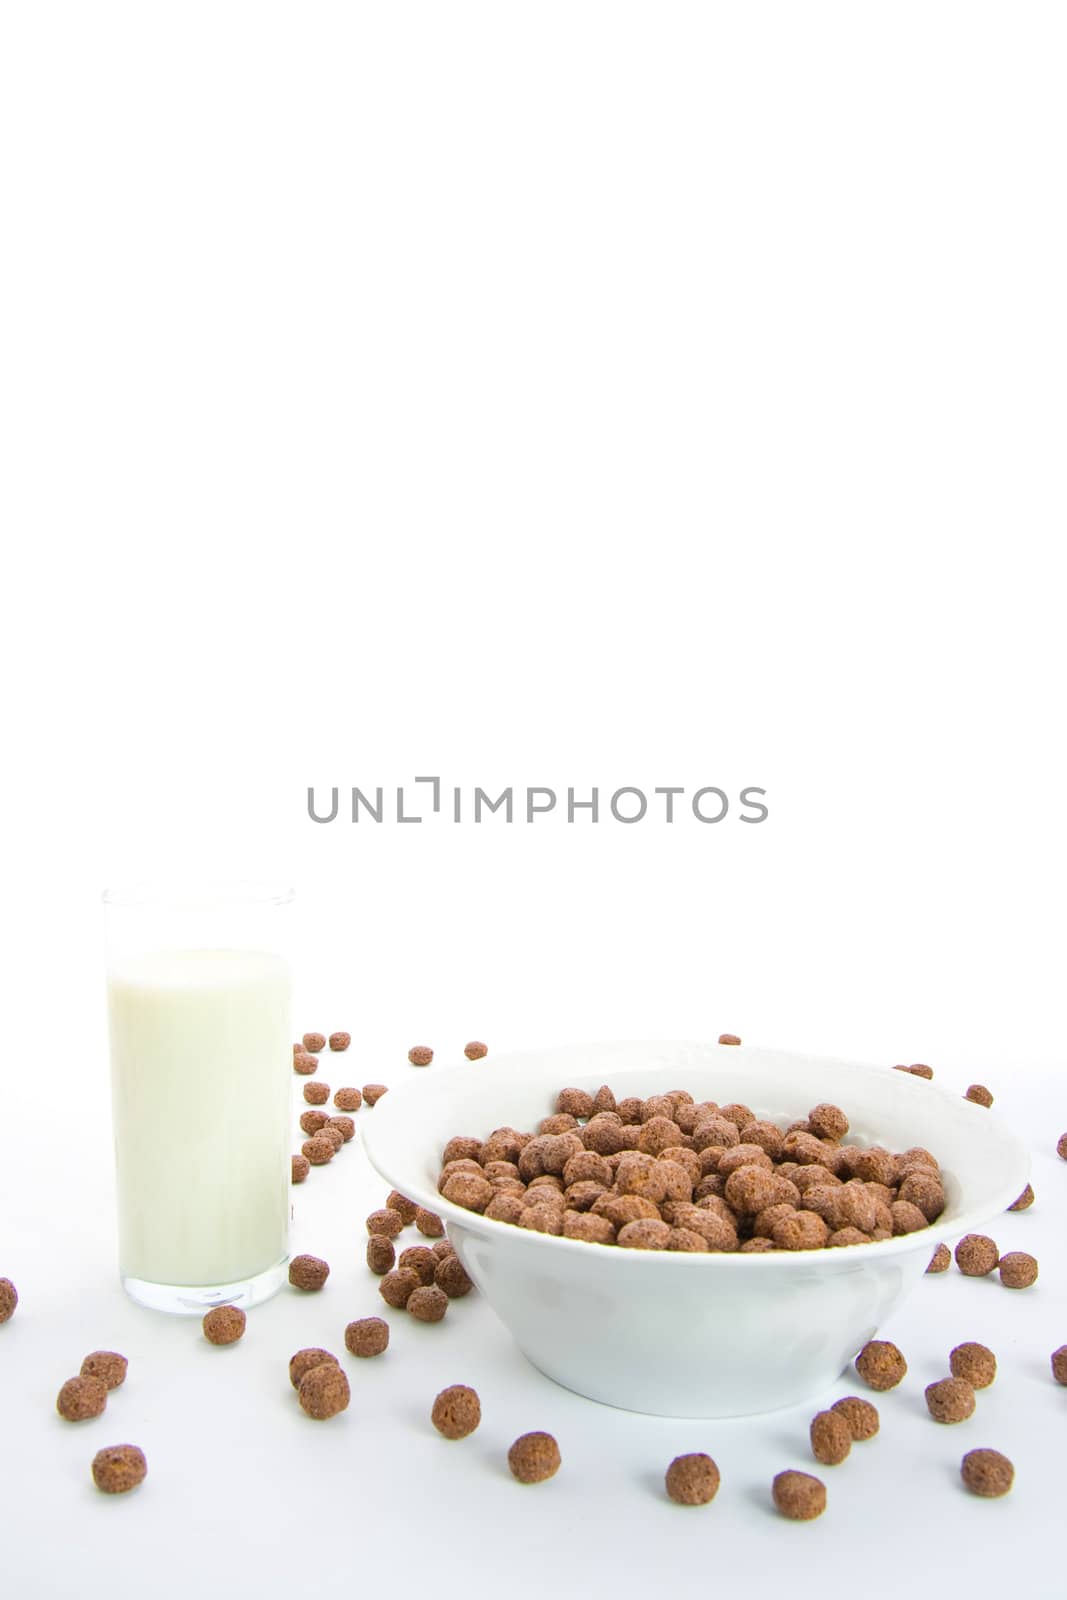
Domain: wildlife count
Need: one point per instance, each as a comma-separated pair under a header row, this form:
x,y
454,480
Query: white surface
x,y
691,1335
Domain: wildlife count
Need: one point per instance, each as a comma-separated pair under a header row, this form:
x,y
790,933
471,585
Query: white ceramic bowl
x,y
693,1335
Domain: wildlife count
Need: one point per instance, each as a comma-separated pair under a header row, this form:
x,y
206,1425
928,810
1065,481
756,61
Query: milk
x,y
201,1065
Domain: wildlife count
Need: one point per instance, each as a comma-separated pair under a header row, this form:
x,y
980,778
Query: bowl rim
x,y
789,1260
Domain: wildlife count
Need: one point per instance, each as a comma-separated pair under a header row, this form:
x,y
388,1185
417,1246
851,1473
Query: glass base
x,y
192,1300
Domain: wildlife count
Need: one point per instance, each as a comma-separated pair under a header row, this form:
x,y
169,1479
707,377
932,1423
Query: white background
x,y
568,394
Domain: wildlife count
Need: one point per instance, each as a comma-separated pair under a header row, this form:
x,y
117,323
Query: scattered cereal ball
x,y
9,1299
316,1093
1017,1270
919,1069
443,1248
1059,1364
308,1272
406,1209
950,1400
420,1055
304,1360
428,1303
314,1042
81,1398
381,1254
831,1438
420,1259
860,1415
344,1126
428,1223
799,1496
386,1221
305,1064
475,1050
301,1166
324,1391
692,1480
974,1363
397,1287
979,1094
941,1259
976,1255
224,1324
575,1102
348,1099
333,1135
466,1189
340,1041
312,1122
367,1337
1061,1147
456,1412
119,1468
105,1364
372,1092
317,1151
729,1038
828,1121
534,1457
1024,1202
880,1364
987,1473
451,1275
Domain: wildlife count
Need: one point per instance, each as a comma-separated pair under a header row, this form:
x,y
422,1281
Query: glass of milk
x,y
201,1068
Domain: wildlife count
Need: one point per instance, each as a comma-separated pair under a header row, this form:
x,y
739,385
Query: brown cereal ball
x,y
692,1480
420,1055
470,1192
687,1240
979,1094
987,1473
348,1099
918,1069
657,1135
880,1364
9,1299
105,1364
587,1167
443,1248
576,1102
751,1189
428,1303
623,1208
716,1131
497,1170
827,1121
718,1232
974,1363
756,1246
224,1324
451,1276
541,1219
372,1092
456,1411
81,1398
854,1207
842,1237
646,1234
558,1122
602,1135
475,1050
875,1165
463,1164
1058,1360
831,1438
976,1255
799,1496
766,1135
743,1155
398,1286
324,1391
367,1337
381,1253
924,1189
764,1221
1061,1146
688,1160
316,1093
308,1272
941,1259
1024,1202
504,1208
534,1458
317,1151
344,1126
586,1226
461,1147
729,1038
314,1042
304,1360
420,1260
1017,1270
860,1415
385,1221
305,1064
311,1122
950,1400
333,1136
802,1230
119,1468
340,1040
906,1217
604,1099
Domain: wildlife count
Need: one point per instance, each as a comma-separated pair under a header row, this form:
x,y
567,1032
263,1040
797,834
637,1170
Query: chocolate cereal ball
x,y
311,1122
397,1288
81,1398
987,1473
348,1099
308,1272
342,1125
475,1050
534,1457
451,1275
428,1223
304,1063
831,1438
1058,1359
1025,1200
304,1360
372,1092
340,1040
386,1221
318,1151
860,1415
420,1055
950,1400
324,1391
729,1038
427,1303
1017,1270
106,1364
224,1324
692,1480
301,1166
941,1259
421,1260
799,1496
406,1209
456,1412
367,1337
332,1134
1061,1146
881,1365
974,1363
9,1299
316,1093
976,1255
979,1094
381,1253
314,1042
119,1468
